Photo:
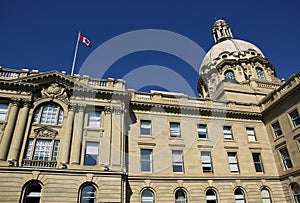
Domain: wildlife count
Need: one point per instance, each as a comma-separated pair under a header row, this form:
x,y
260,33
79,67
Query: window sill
x,y
175,138
97,129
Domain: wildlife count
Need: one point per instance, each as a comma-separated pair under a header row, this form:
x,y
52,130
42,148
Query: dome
x,y
233,47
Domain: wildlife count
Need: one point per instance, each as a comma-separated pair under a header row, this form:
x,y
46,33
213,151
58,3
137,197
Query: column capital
x,y
107,109
26,103
15,102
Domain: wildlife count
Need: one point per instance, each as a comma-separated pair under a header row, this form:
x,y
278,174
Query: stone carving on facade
x,y
54,90
45,132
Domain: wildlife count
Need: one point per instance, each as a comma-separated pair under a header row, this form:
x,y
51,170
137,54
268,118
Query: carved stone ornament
x,y
54,90
45,132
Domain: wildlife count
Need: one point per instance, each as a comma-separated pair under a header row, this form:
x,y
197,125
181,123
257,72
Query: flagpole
x,y
75,54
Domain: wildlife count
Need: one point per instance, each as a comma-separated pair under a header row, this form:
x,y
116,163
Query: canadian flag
x,y
85,40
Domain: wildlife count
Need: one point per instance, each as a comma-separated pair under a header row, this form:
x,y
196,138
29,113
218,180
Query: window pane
x,y
277,129
233,162
180,196
286,158
49,114
42,150
260,74
3,111
206,162
265,195
147,196
145,129
177,161
91,153
229,75
175,129
295,117
211,196
227,133
33,193
55,150
258,162
36,115
146,160
202,131
251,134
28,150
94,119
88,194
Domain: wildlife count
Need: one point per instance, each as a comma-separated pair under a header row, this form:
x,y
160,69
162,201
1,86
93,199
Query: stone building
x,y
79,139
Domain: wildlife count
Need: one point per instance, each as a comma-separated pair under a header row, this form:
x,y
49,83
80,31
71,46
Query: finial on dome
x,y
221,31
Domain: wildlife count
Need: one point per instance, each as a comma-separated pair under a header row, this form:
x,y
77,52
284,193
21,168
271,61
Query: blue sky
x,y
42,34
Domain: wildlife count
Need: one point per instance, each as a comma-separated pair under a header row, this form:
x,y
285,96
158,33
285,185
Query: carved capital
x,y
107,109
118,110
26,103
15,102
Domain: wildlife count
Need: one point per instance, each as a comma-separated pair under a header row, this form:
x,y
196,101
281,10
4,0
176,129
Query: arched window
x,y
265,196
180,196
239,196
229,75
211,196
49,113
296,192
32,193
88,194
147,196
260,73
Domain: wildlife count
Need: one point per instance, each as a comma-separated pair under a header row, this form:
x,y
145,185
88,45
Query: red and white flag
x,y
85,40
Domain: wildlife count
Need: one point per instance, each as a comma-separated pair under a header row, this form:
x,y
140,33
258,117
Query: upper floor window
x,y
32,193
239,196
49,113
233,162
202,131
260,73
88,194
227,131
295,117
145,129
259,168
146,160
180,196
174,129
296,192
91,153
286,158
94,119
177,159
211,196
147,196
206,162
42,149
229,75
276,129
251,134
265,196
3,110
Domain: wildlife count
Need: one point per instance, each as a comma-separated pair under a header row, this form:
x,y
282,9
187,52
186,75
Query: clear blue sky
x,y
42,34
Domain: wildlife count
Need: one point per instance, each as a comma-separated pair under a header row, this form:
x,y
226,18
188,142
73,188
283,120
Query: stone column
x,y
9,129
15,147
77,136
67,137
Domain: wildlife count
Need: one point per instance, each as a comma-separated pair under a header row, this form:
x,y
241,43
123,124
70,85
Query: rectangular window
x,y
175,129
277,129
177,159
145,129
227,131
146,160
206,162
42,150
91,153
55,150
94,119
295,117
259,168
233,162
251,134
202,131
3,111
286,158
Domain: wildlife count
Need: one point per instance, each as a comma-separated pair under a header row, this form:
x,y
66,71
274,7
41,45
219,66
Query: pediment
x,y
45,132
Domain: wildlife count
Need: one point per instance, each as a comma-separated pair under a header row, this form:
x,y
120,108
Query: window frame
x,y
208,162
179,162
85,185
28,185
3,111
185,200
258,163
235,163
143,129
269,198
229,75
40,113
147,200
149,162
201,131
226,134
210,197
175,133
284,159
239,198
297,195
295,121
85,160
251,136
277,129
96,120
260,73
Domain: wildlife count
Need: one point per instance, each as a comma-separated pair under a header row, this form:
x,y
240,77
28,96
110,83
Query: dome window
x,y
260,73
224,56
229,75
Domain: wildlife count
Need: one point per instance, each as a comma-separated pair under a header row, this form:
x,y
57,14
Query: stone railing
x,y
39,163
9,74
293,81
